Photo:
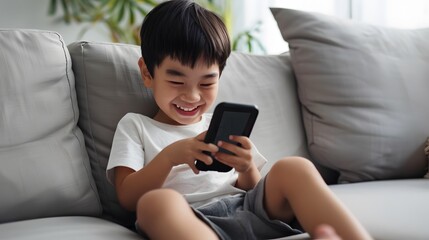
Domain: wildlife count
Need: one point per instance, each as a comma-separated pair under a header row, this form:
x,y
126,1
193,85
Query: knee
x,y
293,167
156,202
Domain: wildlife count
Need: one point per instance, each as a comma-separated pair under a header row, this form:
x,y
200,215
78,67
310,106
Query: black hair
x,y
185,31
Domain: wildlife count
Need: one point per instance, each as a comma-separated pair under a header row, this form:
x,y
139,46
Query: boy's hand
x,y
242,160
186,151
248,174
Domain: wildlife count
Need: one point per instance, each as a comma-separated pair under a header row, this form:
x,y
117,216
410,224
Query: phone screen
x,y
228,119
231,124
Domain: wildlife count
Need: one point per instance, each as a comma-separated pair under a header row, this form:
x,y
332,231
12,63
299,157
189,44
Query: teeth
x,y
185,109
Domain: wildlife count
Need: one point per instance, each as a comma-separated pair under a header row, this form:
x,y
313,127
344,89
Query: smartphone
x,y
228,119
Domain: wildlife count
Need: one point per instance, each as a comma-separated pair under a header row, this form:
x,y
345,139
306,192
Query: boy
x,y
152,161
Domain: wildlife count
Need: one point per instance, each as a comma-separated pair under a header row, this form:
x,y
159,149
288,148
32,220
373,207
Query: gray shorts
x,y
243,217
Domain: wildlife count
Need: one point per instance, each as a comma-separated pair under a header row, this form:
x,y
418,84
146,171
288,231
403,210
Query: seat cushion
x,y
395,209
66,228
364,91
45,169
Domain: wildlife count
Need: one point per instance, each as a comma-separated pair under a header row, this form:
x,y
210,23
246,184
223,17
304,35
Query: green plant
x,y
246,41
119,16
123,18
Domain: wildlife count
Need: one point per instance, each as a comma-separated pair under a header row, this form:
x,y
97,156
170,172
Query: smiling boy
x,y
152,161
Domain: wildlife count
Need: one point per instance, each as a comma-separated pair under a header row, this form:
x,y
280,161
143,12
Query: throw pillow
x,y
363,91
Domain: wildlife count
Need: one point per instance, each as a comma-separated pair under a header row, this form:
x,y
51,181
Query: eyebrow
x,y
174,72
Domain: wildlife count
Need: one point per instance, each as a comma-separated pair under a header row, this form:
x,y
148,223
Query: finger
x,y
243,140
194,168
208,160
227,159
240,163
209,147
237,150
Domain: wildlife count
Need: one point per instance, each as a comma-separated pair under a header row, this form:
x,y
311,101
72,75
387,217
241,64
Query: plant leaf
x,y
121,11
52,7
132,17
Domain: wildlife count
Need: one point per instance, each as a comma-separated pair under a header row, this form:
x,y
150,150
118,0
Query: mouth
x,y
187,111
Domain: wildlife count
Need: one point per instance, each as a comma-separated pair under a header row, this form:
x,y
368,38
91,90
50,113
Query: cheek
x,y
212,95
162,96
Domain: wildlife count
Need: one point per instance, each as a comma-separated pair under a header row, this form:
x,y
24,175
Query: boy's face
x,y
182,93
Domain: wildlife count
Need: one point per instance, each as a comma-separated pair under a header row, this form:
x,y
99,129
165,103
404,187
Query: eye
x,y
207,84
176,83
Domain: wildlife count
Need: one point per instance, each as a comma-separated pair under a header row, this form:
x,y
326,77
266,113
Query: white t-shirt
x,y
138,139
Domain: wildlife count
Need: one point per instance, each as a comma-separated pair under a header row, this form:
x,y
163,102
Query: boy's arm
x,y
131,185
248,180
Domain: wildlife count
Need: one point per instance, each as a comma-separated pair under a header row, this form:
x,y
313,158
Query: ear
x,y
144,72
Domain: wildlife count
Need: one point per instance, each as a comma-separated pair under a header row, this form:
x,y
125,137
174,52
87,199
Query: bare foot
x,y
325,232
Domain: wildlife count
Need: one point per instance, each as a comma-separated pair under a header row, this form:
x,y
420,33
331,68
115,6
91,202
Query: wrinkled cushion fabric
x,y
364,94
108,85
268,82
45,169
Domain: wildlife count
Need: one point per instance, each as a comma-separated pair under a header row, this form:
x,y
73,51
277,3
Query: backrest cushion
x,y
364,91
44,169
109,85
267,81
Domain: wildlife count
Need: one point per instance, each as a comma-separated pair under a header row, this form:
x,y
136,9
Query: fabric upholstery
x,y
364,94
108,85
66,228
267,81
391,209
44,169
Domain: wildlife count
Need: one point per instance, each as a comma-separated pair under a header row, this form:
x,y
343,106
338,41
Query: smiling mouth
x,y
186,109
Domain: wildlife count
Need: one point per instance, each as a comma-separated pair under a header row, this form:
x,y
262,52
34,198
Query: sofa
x,y
352,98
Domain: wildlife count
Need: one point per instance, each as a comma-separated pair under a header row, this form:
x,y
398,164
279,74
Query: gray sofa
x,y
352,98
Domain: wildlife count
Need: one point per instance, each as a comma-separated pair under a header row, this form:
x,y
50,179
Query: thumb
x,y
201,136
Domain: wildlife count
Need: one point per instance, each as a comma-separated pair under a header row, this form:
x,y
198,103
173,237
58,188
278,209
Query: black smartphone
x,y
228,119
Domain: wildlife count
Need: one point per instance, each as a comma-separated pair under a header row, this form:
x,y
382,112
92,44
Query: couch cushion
x,y
364,94
267,81
394,209
44,165
109,85
66,228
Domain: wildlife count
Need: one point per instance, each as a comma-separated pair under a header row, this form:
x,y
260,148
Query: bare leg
x,y
165,214
294,185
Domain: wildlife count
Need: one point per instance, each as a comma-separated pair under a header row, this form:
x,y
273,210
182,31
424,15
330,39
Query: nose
x,y
191,95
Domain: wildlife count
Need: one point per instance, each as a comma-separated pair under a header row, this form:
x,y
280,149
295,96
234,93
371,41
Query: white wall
x,y
392,13
389,13
33,14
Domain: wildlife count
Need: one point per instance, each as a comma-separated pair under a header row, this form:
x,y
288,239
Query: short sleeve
x,y
258,158
127,146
